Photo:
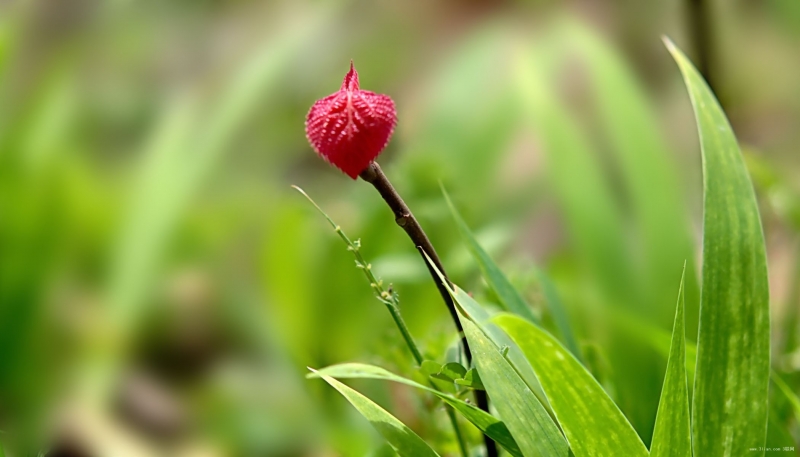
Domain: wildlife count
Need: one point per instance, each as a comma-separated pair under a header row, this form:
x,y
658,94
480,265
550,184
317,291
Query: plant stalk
x,y
406,220
388,298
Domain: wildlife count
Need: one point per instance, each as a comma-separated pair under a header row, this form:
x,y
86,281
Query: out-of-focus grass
x,y
147,228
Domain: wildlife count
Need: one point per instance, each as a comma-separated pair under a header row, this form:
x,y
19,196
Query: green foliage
x,y
510,299
485,422
526,418
400,437
591,421
729,408
672,435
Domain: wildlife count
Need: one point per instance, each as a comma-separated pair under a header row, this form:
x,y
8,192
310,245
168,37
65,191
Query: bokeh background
x,y
163,289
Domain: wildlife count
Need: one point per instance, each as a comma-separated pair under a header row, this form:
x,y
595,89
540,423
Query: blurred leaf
x,y
787,392
591,215
526,418
647,170
730,400
594,225
672,435
510,299
592,423
778,435
505,291
400,437
485,422
658,339
559,312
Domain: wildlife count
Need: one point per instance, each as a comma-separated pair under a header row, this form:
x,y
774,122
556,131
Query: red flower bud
x,y
351,127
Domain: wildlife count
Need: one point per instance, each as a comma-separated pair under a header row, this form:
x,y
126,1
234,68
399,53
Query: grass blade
x,y
526,418
397,434
488,424
731,386
791,397
592,423
560,315
672,433
509,298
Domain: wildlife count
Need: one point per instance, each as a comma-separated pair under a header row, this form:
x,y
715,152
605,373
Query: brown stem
x,y
406,220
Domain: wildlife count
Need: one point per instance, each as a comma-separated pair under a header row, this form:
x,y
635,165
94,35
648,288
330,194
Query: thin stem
x,y
392,302
406,220
387,297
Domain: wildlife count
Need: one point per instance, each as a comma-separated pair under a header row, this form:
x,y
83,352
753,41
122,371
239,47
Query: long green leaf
x,y
731,386
524,415
592,423
672,435
485,422
397,434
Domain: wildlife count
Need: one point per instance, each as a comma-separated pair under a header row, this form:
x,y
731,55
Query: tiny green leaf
x,y
485,422
731,384
472,380
592,423
450,372
672,435
429,367
397,434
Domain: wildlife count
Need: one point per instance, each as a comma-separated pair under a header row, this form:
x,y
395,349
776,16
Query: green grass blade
x,y
397,434
672,435
647,170
592,423
485,422
731,386
509,298
559,312
526,418
791,397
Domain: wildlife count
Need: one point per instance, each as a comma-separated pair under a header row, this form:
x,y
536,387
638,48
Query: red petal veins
x,y
351,127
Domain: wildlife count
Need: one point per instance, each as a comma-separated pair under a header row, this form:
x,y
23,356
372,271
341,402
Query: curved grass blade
x,y
397,434
787,392
485,422
560,315
731,386
592,423
509,298
672,435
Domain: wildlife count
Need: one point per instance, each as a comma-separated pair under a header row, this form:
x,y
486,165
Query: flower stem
x,y
406,220
390,299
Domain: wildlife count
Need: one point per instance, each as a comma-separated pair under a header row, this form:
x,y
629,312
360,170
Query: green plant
x,y
563,408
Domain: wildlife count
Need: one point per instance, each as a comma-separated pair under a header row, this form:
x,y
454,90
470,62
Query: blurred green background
x,y
163,289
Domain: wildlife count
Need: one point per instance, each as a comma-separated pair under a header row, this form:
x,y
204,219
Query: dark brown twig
x,y
406,220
